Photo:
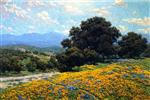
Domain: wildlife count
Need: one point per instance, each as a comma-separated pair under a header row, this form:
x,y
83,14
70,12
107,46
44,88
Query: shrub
x,y
31,67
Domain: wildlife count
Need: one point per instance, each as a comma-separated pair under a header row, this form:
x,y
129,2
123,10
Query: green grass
x,y
144,63
101,65
43,58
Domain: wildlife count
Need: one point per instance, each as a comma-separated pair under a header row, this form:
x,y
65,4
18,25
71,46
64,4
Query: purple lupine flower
x,y
86,96
134,75
125,75
142,76
71,88
20,97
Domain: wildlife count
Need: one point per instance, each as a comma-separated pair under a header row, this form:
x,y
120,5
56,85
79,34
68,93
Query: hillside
x,y
19,62
53,49
118,81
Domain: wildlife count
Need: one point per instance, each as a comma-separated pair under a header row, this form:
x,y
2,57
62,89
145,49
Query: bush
x,y
31,67
132,45
41,65
53,63
72,57
16,61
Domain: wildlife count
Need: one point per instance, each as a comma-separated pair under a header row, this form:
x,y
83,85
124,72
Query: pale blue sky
x,y
43,16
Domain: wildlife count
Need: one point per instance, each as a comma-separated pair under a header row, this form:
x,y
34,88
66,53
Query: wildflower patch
x,y
111,82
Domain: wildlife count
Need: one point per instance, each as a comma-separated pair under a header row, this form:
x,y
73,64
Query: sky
x,y
44,16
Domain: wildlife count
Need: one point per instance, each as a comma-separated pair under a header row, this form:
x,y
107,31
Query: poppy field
x,y
113,82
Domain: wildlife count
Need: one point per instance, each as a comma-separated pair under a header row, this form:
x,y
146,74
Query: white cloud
x,y
122,28
66,31
72,22
4,2
72,6
39,4
31,29
139,21
35,3
8,29
28,9
1,26
144,30
14,9
135,13
102,11
72,9
119,2
45,17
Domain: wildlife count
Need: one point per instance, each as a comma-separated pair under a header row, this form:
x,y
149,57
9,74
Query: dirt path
x,y
11,81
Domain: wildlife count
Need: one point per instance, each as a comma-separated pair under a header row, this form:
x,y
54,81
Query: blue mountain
x,y
33,39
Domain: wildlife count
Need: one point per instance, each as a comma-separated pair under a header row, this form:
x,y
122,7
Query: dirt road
x,y
11,81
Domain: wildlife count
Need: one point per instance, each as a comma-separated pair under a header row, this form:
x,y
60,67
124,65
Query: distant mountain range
x,y
33,39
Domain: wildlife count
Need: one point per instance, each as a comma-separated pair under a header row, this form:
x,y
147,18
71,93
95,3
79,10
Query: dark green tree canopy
x,y
95,34
146,53
87,44
132,45
96,40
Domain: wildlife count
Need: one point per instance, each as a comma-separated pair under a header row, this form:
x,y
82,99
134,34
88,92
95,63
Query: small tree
x,y
72,57
132,45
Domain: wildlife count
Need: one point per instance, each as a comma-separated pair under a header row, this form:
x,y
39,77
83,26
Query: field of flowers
x,y
113,82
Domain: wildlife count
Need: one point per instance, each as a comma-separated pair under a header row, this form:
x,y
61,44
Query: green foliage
x,y
91,56
53,63
72,56
9,62
76,69
144,63
132,45
100,65
95,34
31,66
35,52
91,42
66,43
146,53
29,49
16,61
